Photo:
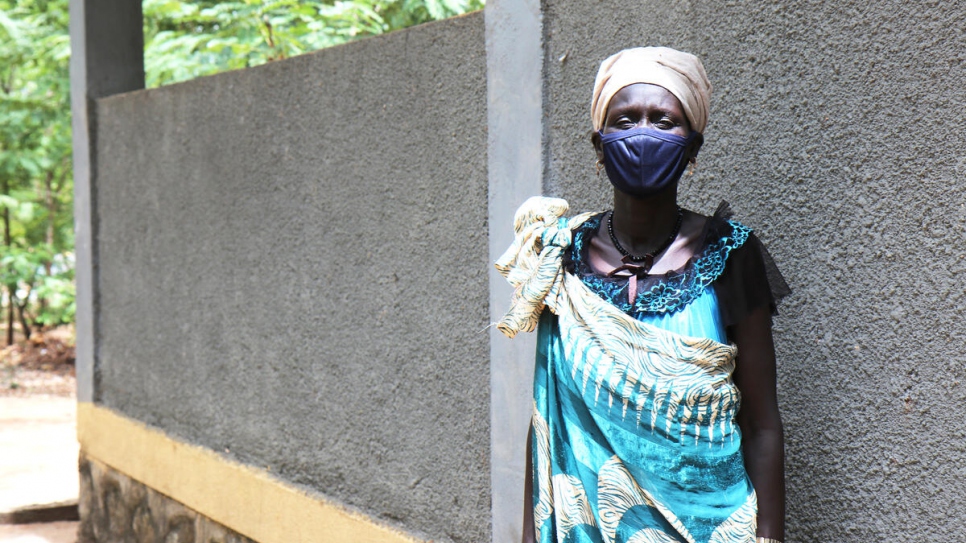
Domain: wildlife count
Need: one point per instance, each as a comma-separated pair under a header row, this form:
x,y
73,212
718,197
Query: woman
x,y
654,324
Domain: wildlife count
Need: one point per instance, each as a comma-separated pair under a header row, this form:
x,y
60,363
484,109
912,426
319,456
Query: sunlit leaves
x,y
36,230
189,39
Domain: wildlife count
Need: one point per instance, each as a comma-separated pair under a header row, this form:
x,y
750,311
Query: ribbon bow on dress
x,y
633,272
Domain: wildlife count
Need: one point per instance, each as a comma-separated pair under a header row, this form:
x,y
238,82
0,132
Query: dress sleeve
x,y
750,280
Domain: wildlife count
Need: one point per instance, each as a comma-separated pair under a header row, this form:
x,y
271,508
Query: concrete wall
x,y
293,271
837,132
514,82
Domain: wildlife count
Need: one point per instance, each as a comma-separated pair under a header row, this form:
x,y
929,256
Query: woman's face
x,y
646,106
642,105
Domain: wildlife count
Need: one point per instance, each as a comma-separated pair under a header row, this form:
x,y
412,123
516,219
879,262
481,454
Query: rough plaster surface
x,y
293,268
117,508
837,131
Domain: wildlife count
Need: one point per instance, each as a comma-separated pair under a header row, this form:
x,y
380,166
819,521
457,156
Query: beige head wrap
x,y
680,73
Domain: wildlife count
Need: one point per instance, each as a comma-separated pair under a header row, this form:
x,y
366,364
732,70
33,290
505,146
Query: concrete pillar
x,y
107,57
514,57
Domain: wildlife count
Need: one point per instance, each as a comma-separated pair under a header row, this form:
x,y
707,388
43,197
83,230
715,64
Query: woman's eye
x,y
624,122
661,120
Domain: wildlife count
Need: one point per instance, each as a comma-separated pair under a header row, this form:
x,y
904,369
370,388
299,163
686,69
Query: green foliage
x,y
189,39
36,224
47,297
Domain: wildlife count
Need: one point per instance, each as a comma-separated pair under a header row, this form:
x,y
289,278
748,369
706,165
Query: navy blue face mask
x,y
644,161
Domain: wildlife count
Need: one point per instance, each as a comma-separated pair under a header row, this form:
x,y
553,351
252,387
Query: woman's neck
x,y
643,224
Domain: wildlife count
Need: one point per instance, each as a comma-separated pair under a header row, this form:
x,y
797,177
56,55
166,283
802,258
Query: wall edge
x,y
515,149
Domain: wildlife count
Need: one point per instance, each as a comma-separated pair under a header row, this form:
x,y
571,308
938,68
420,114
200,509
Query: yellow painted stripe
x,y
247,500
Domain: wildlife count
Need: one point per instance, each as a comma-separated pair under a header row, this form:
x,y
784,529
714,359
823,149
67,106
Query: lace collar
x,y
667,292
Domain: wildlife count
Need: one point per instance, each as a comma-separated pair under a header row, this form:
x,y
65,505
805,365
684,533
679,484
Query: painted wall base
x,y
117,508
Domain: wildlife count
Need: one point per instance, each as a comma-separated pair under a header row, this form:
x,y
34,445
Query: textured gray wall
x,y
837,130
293,268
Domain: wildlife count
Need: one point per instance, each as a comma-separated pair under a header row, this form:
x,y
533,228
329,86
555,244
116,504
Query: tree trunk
x,y
7,242
51,204
9,317
24,325
51,214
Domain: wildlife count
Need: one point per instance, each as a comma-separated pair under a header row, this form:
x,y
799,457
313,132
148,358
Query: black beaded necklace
x,y
647,258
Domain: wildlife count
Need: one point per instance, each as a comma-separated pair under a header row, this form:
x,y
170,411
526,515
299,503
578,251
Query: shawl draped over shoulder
x,y
634,428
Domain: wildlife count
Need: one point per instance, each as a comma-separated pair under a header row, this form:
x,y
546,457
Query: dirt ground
x,y
42,365
52,532
38,432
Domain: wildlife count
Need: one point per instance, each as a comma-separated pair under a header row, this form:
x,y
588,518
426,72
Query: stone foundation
x,y
117,509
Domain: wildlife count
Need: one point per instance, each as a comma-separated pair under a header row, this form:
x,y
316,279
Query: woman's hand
x,y
761,425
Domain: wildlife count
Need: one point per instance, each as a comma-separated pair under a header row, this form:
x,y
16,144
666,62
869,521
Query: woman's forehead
x,y
645,94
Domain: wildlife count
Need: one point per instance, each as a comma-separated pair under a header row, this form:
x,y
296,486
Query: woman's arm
x,y
760,422
528,529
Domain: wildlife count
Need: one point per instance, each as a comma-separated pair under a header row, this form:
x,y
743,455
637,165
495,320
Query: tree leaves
x,y
190,39
35,159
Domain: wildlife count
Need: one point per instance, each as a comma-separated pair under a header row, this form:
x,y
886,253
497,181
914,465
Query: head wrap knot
x,y
680,73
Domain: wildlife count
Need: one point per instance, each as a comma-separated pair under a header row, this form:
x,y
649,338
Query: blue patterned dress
x,y
635,437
